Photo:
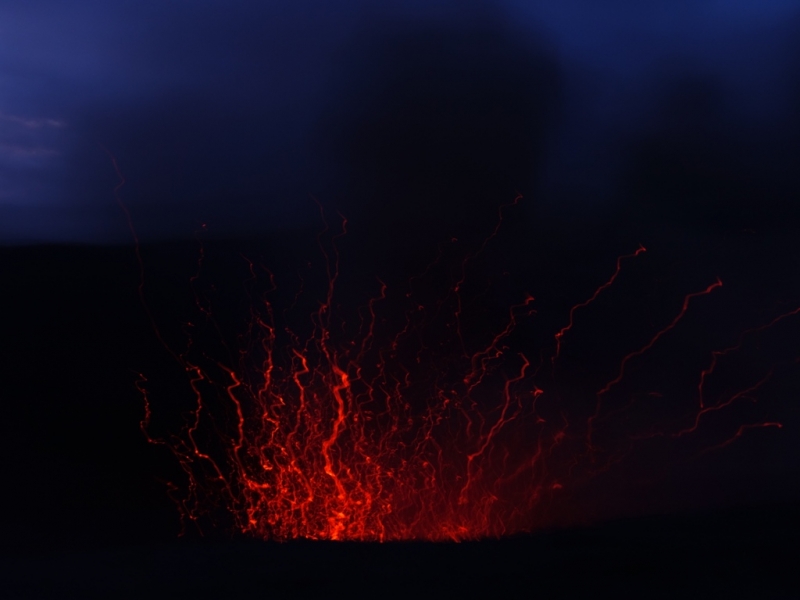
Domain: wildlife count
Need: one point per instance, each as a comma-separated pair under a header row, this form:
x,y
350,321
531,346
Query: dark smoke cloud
x,y
437,126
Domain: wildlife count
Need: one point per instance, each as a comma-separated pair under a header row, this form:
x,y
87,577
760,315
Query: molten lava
x,y
380,430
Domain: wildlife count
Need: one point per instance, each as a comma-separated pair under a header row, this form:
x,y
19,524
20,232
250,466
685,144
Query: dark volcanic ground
x,y
731,554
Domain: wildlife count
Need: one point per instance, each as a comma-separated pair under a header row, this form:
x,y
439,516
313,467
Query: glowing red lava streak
x,y
708,371
502,421
742,394
740,432
717,354
607,387
593,297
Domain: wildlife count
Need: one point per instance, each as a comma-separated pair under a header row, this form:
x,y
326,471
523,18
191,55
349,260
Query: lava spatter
x,y
380,430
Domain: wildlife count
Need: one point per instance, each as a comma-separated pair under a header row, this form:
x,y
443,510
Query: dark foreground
x,y
744,553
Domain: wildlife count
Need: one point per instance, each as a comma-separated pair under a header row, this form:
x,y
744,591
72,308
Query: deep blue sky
x,y
233,113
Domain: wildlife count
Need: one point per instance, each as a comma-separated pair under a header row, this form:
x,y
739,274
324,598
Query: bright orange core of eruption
x,y
332,448
376,435
371,431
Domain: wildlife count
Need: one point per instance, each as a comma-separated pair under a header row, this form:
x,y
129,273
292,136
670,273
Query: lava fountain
x,y
395,422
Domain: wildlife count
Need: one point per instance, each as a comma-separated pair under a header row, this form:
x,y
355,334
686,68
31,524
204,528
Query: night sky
x,y
671,125
235,114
